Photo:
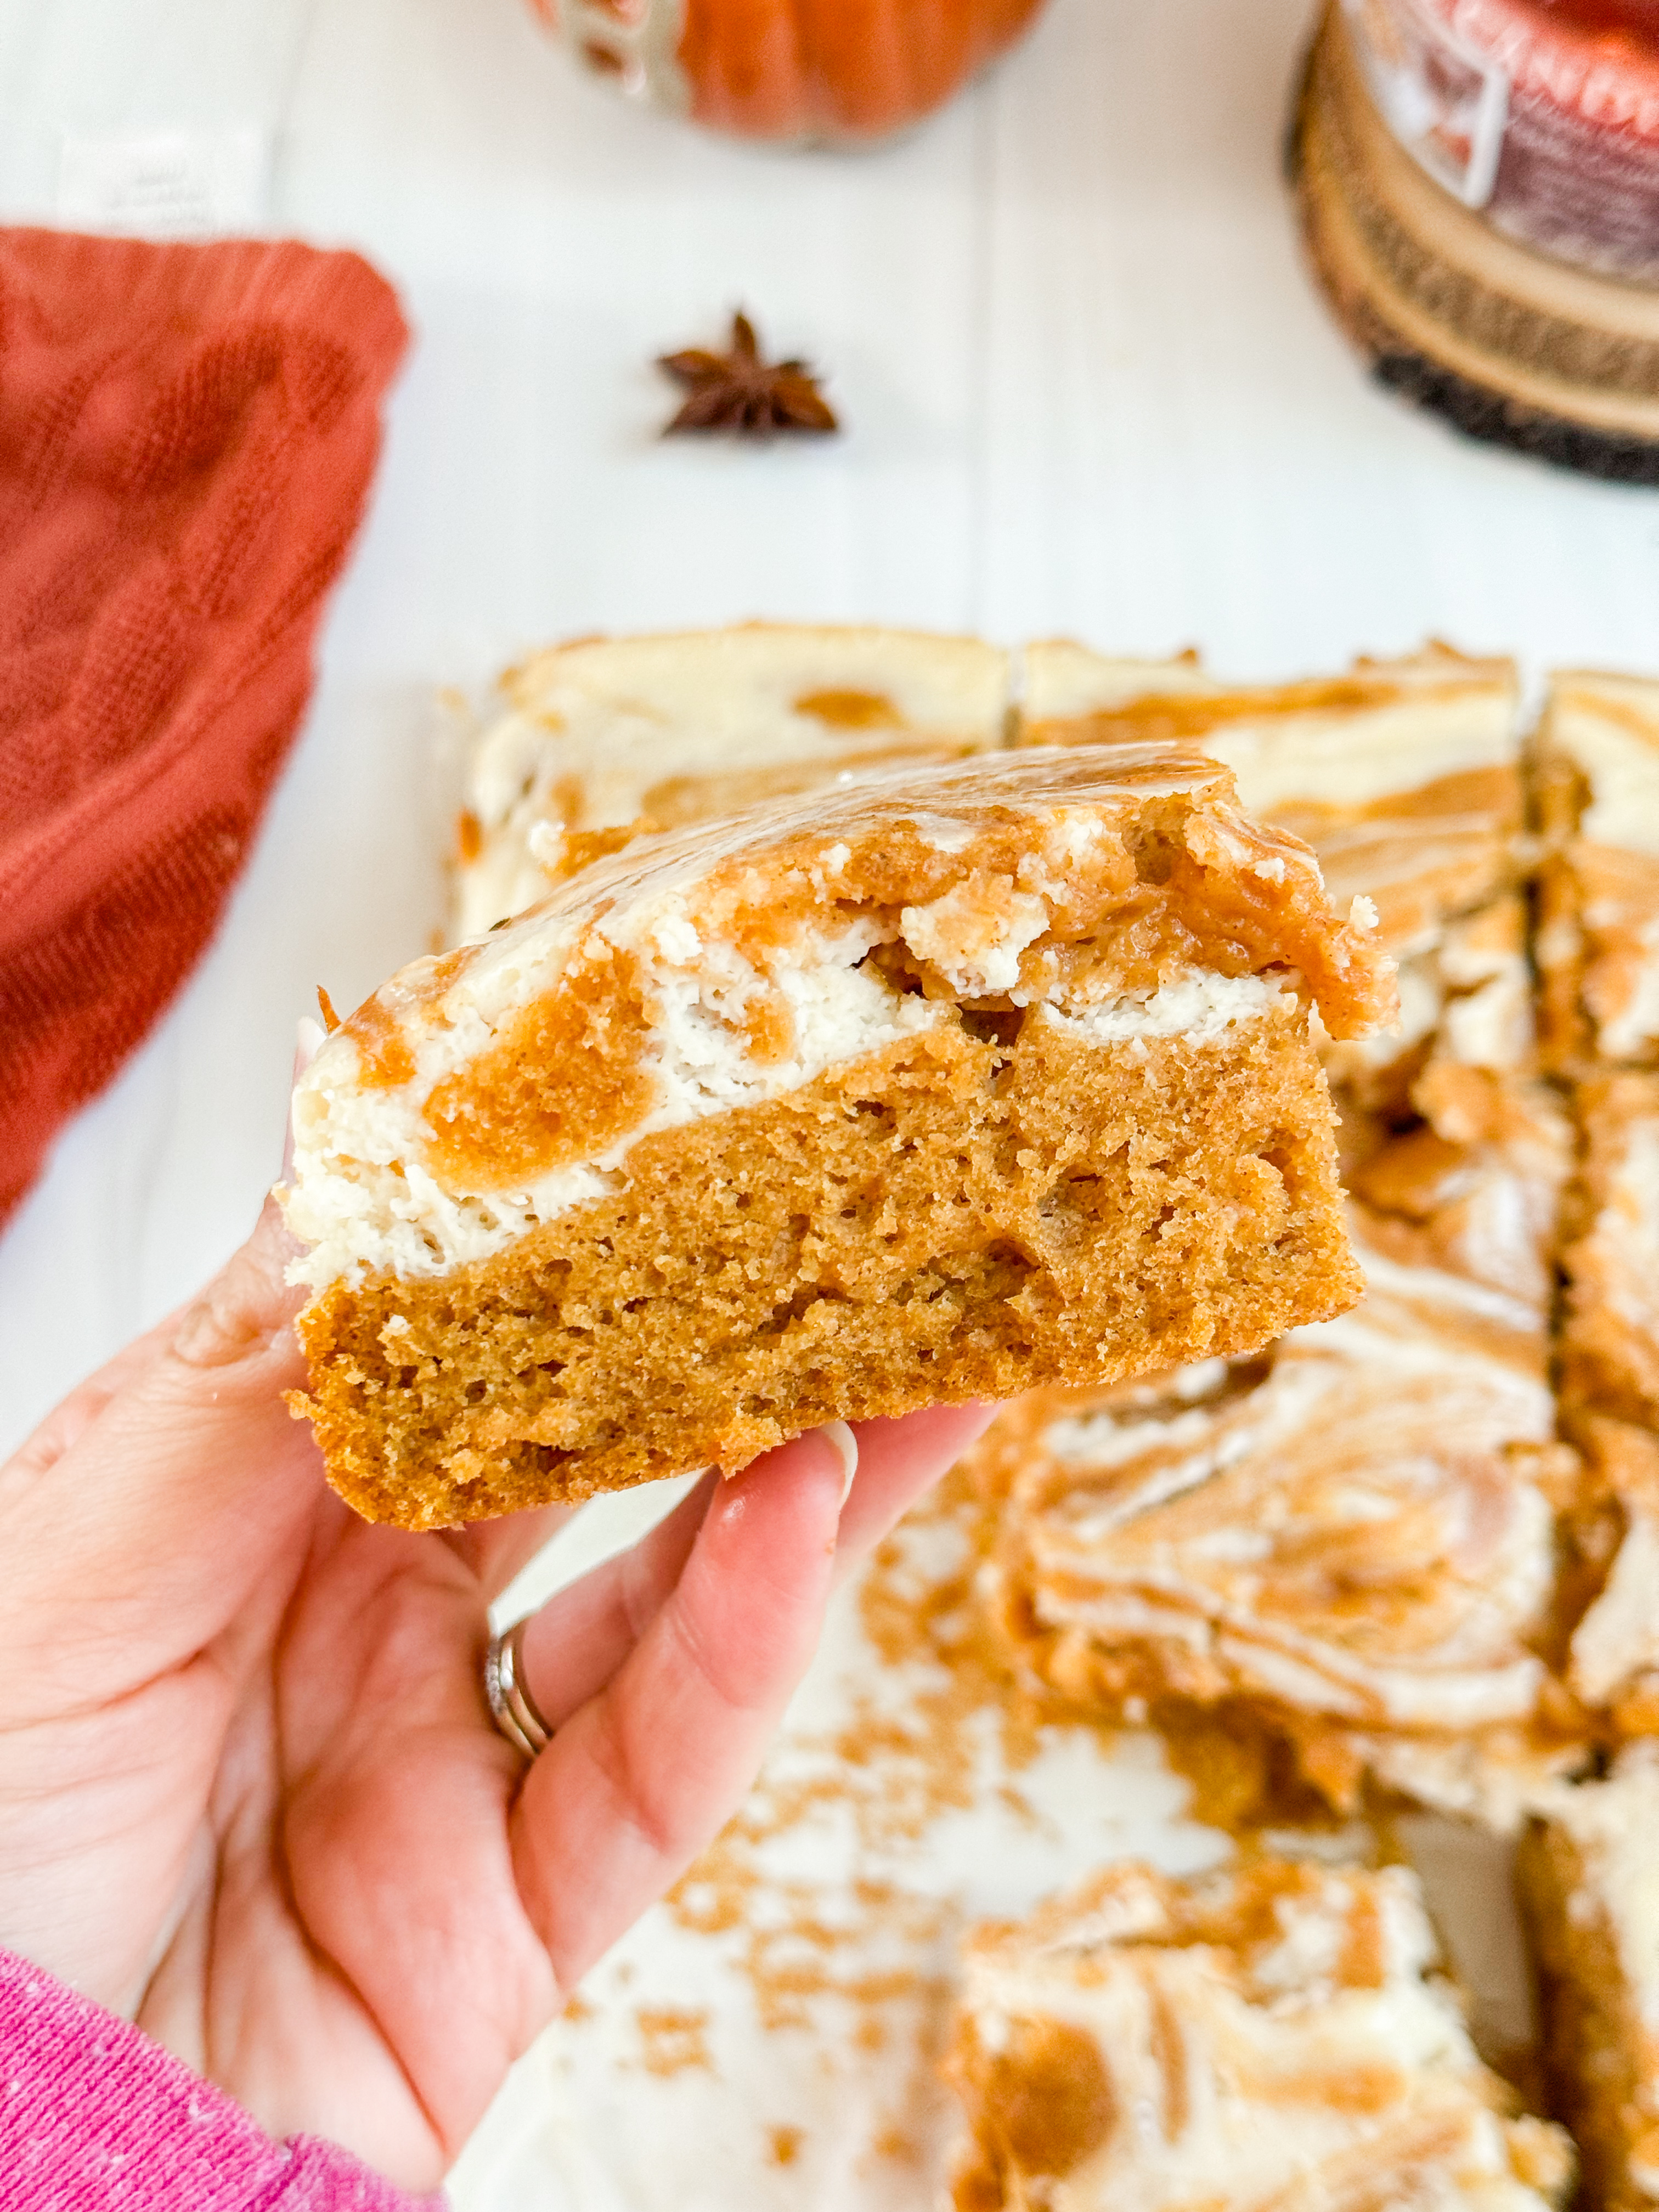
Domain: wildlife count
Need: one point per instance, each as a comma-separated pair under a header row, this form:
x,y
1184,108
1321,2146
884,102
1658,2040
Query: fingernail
x,y
845,1445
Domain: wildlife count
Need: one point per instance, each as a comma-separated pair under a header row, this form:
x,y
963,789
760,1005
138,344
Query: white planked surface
x,y
1088,389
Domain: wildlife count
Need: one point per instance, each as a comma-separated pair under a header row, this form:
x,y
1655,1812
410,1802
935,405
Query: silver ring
x,y
511,1706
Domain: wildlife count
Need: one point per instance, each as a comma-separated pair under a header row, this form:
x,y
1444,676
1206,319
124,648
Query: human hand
x,y
250,1790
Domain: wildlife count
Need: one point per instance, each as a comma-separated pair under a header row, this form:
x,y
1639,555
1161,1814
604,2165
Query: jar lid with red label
x,y
1542,113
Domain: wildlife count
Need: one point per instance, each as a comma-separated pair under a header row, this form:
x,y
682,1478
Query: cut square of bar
x,y
1339,1561
1338,1565
932,1088
1344,1550
1271,2038
1590,1886
676,728
1404,776
1610,1337
1597,774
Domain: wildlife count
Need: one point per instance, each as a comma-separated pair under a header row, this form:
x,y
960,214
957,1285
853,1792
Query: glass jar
x,y
1477,182
1543,113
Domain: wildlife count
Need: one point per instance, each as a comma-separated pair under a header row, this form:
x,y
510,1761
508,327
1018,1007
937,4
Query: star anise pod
x,y
738,391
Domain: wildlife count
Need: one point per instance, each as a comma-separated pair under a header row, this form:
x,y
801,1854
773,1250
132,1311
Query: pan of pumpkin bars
x,y
1227,1789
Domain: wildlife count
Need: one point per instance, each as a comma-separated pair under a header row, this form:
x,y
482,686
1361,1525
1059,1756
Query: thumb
x,y
154,1490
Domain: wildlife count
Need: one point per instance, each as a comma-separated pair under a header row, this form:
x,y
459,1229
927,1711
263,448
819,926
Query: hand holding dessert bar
x,y
251,1794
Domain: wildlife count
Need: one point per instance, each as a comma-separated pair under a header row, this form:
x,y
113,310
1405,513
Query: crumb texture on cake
x,y
947,1219
1271,2035
934,1087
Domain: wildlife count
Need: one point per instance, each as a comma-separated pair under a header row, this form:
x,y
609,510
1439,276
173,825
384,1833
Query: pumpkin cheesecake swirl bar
x,y
1340,1564
1596,773
1347,1546
606,732
1404,777
1270,2037
935,1088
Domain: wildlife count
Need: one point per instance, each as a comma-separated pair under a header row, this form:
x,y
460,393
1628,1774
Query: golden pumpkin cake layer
x,y
1597,774
1403,776
928,1089
1273,2038
1347,1546
681,727
1588,1877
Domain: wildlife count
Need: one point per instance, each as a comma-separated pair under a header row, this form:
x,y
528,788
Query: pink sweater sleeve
x,y
96,2117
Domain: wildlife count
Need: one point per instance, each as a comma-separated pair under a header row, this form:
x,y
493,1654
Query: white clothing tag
x,y
1446,102
166,184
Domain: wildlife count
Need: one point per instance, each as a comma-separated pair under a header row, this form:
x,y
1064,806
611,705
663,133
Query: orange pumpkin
x,y
835,70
